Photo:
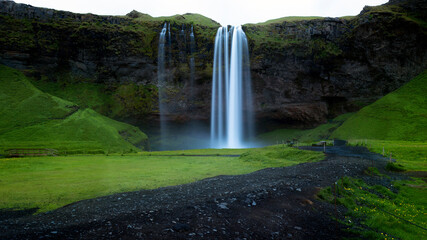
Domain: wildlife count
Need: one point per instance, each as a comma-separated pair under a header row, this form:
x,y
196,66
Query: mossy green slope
x,y
400,115
22,104
32,118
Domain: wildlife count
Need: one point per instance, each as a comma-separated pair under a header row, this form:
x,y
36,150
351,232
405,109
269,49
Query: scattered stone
x,y
223,205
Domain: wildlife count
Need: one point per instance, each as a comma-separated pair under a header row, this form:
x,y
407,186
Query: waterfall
x,y
182,45
192,63
161,58
161,81
231,103
170,44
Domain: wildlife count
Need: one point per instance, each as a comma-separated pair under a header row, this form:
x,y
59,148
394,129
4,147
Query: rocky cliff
x,y
304,71
313,69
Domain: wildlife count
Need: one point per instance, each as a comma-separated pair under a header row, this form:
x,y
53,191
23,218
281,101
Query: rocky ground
x,y
276,203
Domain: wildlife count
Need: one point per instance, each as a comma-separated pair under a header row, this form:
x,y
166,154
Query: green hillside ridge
x,y
287,19
23,105
118,100
188,18
82,92
32,118
400,115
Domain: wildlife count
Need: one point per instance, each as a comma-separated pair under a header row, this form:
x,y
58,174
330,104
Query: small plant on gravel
x,y
372,171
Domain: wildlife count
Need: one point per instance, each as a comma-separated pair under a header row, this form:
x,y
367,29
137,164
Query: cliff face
x,y
319,68
303,71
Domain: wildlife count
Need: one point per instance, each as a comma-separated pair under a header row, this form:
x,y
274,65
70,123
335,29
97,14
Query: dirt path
x,y
277,203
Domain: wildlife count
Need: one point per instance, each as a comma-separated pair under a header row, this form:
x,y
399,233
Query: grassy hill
x,y
32,118
400,115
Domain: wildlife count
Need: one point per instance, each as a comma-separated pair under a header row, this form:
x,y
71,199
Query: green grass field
x,y
32,118
411,154
376,212
51,182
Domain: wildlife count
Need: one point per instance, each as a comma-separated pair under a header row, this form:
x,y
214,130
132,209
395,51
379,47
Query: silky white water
x,y
161,57
231,103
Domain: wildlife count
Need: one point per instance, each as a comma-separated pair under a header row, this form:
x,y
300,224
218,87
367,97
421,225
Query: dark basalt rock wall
x,y
303,71
340,63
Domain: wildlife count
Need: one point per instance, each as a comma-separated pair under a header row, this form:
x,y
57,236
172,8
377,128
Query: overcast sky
x,y
231,12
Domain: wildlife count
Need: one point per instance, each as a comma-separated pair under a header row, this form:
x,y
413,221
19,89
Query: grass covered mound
x,y
32,118
400,115
80,91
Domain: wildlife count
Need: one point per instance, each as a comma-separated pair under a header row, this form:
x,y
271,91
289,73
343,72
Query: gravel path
x,y
275,203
